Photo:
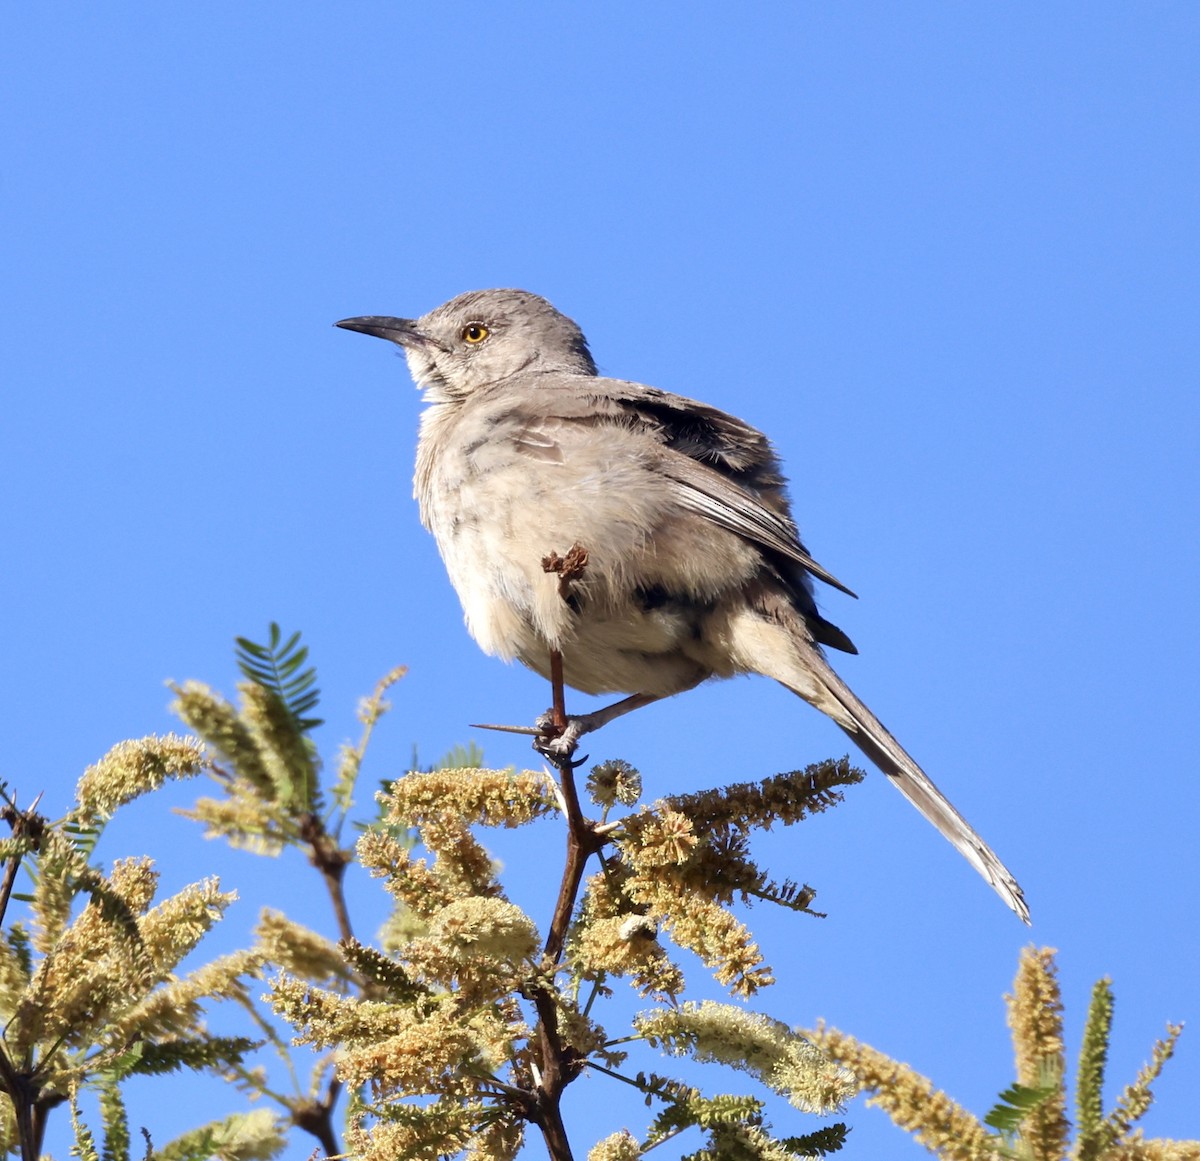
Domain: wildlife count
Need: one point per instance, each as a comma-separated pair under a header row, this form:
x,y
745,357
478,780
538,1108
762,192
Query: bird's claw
x,y
558,743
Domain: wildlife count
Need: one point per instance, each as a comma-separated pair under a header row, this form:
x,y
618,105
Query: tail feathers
x,y
869,734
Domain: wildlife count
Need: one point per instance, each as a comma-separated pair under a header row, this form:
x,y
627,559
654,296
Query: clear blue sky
x,y
945,254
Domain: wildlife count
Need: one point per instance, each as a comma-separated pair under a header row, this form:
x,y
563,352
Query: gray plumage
x,y
695,568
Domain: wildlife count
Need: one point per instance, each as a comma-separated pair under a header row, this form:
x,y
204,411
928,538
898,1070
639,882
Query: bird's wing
x,y
723,469
713,495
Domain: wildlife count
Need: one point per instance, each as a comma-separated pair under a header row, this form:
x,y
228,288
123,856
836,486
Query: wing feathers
x,y
710,494
725,469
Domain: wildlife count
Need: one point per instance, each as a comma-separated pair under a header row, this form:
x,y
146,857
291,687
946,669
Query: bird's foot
x,y
558,741
558,734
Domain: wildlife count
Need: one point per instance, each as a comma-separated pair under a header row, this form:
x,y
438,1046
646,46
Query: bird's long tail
x,y
807,674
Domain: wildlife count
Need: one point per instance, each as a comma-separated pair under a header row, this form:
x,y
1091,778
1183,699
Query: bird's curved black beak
x,y
398,330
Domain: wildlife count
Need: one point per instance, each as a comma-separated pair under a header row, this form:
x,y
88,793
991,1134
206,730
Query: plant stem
x,y
24,824
582,843
316,1117
558,1070
330,860
559,1063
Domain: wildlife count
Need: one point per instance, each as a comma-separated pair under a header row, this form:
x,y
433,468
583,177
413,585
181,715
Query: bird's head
x,y
480,338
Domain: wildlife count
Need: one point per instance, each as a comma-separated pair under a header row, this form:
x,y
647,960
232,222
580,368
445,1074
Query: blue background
x,y
945,254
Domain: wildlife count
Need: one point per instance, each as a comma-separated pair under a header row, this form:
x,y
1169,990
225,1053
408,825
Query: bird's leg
x,y
558,710
556,733
557,742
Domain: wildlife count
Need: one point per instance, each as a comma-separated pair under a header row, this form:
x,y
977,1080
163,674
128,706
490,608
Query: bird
x,y
640,540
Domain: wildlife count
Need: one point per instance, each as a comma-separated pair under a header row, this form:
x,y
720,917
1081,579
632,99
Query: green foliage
x,y
254,1136
665,1088
192,1052
1094,1136
819,1143
788,893
84,1145
461,1027
277,667
114,1120
468,757
383,972
19,946
704,1113
1015,1106
240,1137
1029,1122
274,797
84,835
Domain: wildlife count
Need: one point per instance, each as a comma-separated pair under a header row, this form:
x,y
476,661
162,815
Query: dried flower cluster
x,y
443,1017
131,769
460,1031
1031,1121
465,1019
682,863
785,1061
945,1128
89,993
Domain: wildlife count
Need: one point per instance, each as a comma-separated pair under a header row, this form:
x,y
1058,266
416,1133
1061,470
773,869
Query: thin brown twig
x,y
24,824
6,888
582,843
330,860
558,1070
316,1118
559,1063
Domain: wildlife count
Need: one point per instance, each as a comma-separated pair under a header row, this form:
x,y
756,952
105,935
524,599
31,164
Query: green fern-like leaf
x,y
85,837
115,1121
820,1143
382,970
1016,1104
1094,1136
664,1088
467,757
673,1119
21,947
789,894
196,1053
706,1112
278,666
253,1136
745,1140
727,1109
85,1142
117,1068
687,1108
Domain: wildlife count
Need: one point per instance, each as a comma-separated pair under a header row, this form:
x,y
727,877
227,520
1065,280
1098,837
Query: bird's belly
x,y
629,621
627,652
610,641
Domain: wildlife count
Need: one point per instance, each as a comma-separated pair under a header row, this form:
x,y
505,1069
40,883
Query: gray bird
x,y
694,566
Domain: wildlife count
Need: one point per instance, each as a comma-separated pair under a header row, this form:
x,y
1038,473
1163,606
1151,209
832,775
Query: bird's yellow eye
x,y
474,333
